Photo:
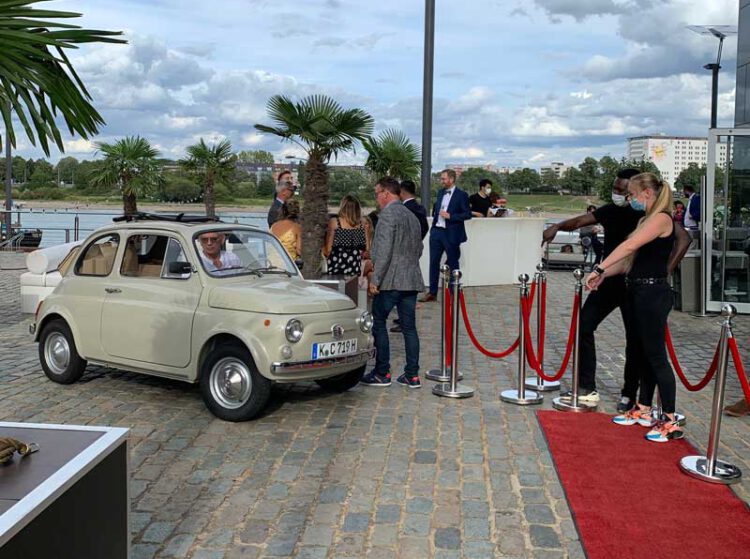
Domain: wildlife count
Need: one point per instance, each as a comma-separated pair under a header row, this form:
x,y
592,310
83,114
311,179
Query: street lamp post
x,y
429,57
721,32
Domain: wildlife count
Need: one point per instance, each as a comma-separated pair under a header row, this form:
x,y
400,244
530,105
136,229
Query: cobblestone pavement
x,y
373,473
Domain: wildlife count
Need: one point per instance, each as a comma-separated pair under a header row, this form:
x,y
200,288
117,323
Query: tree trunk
x,y
129,204
208,196
314,216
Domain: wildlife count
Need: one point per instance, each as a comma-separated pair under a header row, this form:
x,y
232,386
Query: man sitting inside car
x,y
215,259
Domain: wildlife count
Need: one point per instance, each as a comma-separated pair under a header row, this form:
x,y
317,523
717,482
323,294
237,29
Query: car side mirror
x,y
180,268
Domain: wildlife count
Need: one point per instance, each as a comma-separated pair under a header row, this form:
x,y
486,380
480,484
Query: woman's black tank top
x,y
652,258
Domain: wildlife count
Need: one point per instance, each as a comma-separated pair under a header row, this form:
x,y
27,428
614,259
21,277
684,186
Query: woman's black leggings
x,y
649,306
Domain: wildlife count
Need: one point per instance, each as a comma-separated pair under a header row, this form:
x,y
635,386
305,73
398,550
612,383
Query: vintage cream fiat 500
x,y
213,303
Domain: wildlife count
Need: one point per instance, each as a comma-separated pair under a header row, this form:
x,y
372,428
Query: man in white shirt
x,y
215,259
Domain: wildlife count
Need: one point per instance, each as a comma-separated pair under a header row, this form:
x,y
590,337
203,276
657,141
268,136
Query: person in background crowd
x,y
288,231
567,249
643,258
408,199
591,232
619,220
480,201
499,206
285,189
347,239
448,232
395,282
693,209
679,213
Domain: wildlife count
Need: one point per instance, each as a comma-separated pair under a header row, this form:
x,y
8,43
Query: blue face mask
x,y
637,205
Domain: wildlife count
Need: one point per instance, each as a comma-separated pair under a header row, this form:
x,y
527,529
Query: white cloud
x,y
467,153
252,139
79,146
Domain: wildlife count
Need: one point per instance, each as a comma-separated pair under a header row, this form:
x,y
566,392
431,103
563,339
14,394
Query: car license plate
x,y
326,350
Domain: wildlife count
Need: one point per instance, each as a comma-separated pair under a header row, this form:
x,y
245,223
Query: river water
x,y
54,223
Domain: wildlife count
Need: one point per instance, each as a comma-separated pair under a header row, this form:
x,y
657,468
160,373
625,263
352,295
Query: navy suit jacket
x,y
460,211
418,210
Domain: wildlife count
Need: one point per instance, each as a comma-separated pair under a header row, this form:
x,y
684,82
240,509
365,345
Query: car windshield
x,y
237,252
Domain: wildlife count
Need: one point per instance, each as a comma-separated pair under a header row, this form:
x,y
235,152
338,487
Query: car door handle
x,y
112,290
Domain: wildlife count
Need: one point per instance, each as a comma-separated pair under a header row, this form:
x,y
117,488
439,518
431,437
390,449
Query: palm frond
x,y
38,81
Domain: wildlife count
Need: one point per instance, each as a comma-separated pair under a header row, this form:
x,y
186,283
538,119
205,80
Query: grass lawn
x,y
551,203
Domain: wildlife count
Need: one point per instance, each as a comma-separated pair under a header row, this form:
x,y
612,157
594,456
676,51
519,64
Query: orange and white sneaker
x,y
665,431
641,416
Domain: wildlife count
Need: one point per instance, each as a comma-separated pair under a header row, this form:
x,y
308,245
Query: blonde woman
x,y
643,258
347,239
288,230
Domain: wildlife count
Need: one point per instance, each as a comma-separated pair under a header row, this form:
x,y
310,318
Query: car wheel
x,y
342,383
232,387
58,354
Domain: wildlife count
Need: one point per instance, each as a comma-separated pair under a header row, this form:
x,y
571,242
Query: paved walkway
x,y
373,473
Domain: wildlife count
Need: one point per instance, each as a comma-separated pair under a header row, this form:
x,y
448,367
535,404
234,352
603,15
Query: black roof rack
x,y
181,218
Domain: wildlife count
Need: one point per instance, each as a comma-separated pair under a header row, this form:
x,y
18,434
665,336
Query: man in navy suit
x,y
408,199
448,232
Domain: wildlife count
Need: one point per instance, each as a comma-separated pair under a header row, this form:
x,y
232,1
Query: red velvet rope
x,y
448,326
473,338
740,368
531,358
678,369
542,324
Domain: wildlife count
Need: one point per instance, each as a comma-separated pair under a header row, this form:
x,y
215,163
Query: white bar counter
x,y
498,250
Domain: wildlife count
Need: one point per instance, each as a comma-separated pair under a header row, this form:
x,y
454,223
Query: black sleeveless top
x,y
652,258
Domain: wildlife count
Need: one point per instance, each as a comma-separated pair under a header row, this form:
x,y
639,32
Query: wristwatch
x,y
599,270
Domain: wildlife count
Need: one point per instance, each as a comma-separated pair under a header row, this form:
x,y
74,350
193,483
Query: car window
x,y
233,252
98,258
174,254
144,256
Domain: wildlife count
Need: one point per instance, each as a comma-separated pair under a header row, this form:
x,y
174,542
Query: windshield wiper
x,y
269,270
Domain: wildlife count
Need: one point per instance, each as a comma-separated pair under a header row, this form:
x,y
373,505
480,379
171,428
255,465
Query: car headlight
x,y
294,330
365,322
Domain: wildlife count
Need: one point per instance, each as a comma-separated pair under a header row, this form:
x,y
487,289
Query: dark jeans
x,y
438,245
599,304
382,305
649,306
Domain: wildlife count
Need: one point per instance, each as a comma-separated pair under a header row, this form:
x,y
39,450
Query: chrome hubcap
x,y
57,353
231,383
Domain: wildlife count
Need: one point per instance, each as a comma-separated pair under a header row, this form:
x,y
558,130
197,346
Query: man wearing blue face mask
x,y
619,219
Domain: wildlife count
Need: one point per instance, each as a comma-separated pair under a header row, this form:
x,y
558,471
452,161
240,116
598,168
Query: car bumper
x,y
306,367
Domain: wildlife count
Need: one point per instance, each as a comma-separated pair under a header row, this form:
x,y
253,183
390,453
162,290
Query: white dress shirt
x,y
444,206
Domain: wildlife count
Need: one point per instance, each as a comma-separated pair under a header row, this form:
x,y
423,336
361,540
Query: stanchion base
x,y
444,389
532,383
697,467
564,404
437,375
525,398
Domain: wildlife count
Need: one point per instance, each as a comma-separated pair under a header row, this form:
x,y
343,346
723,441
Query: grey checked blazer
x,y
396,249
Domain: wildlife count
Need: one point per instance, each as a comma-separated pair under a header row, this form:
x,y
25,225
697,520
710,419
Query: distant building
x,y
672,154
556,168
460,168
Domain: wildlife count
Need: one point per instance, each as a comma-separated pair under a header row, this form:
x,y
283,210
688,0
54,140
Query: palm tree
x,y
37,81
393,154
323,129
210,163
130,164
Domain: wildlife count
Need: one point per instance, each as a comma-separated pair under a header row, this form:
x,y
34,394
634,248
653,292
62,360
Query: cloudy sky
x,y
517,82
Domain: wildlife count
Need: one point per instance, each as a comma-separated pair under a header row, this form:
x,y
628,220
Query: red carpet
x,y
630,499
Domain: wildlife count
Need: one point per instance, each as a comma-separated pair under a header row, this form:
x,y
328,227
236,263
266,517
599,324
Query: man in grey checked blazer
x,y
395,281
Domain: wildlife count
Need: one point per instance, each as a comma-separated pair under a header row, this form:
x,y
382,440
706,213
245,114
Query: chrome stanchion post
x,y
452,389
521,396
443,373
538,383
710,468
572,403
